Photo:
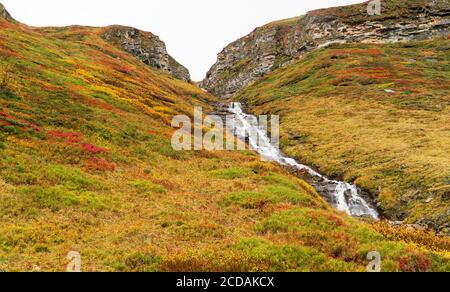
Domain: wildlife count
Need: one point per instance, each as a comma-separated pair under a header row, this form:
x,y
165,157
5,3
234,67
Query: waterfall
x,y
342,195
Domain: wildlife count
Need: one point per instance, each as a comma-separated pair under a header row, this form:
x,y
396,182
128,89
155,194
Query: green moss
x,y
232,173
59,197
245,199
280,180
273,194
287,194
144,187
298,220
72,178
164,147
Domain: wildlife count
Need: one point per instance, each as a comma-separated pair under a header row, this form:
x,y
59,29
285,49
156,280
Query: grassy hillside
x,y
378,116
86,165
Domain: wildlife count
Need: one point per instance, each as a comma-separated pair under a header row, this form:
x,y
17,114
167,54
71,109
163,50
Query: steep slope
x,y
279,43
148,48
86,165
5,14
376,115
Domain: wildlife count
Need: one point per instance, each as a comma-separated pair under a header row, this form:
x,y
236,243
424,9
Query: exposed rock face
x,y
148,48
280,43
5,14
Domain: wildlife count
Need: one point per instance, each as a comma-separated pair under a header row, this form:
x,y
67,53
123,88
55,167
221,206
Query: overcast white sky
x,y
193,30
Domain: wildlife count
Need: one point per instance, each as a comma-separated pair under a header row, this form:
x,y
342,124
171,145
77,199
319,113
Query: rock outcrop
x,y
280,43
5,14
143,45
148,48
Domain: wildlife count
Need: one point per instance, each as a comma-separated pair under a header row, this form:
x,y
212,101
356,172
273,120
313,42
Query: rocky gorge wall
x,y
280,43
148,48
5,14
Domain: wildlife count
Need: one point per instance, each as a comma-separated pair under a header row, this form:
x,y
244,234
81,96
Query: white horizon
x,y
194,31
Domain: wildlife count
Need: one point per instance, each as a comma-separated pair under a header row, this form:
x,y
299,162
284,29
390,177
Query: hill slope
x,y
377,115
341,107
279,43
5,14
86,165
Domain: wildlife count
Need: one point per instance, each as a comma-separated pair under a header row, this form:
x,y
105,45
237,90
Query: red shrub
x,y
92,148
6,119
35,128
7,52
318,217
74,140
407,85
101,105
6,115
335,220
415,262
338,53
62,135
374,52
122,69
99,164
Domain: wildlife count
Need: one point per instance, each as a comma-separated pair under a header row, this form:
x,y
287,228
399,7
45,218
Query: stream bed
x,y
341,195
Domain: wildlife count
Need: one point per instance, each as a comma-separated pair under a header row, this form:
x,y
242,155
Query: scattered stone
x,y
412,227
396,223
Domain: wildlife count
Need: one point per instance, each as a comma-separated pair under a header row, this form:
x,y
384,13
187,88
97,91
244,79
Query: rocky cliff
x,y
279,43
5,14
143,45
148,48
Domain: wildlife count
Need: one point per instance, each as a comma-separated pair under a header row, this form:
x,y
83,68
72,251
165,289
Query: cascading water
x,y
344,196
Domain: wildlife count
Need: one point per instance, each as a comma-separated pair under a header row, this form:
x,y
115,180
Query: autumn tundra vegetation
x,y
386,108
86,162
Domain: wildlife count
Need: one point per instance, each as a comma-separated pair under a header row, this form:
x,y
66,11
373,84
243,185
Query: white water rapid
x,y
343,196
